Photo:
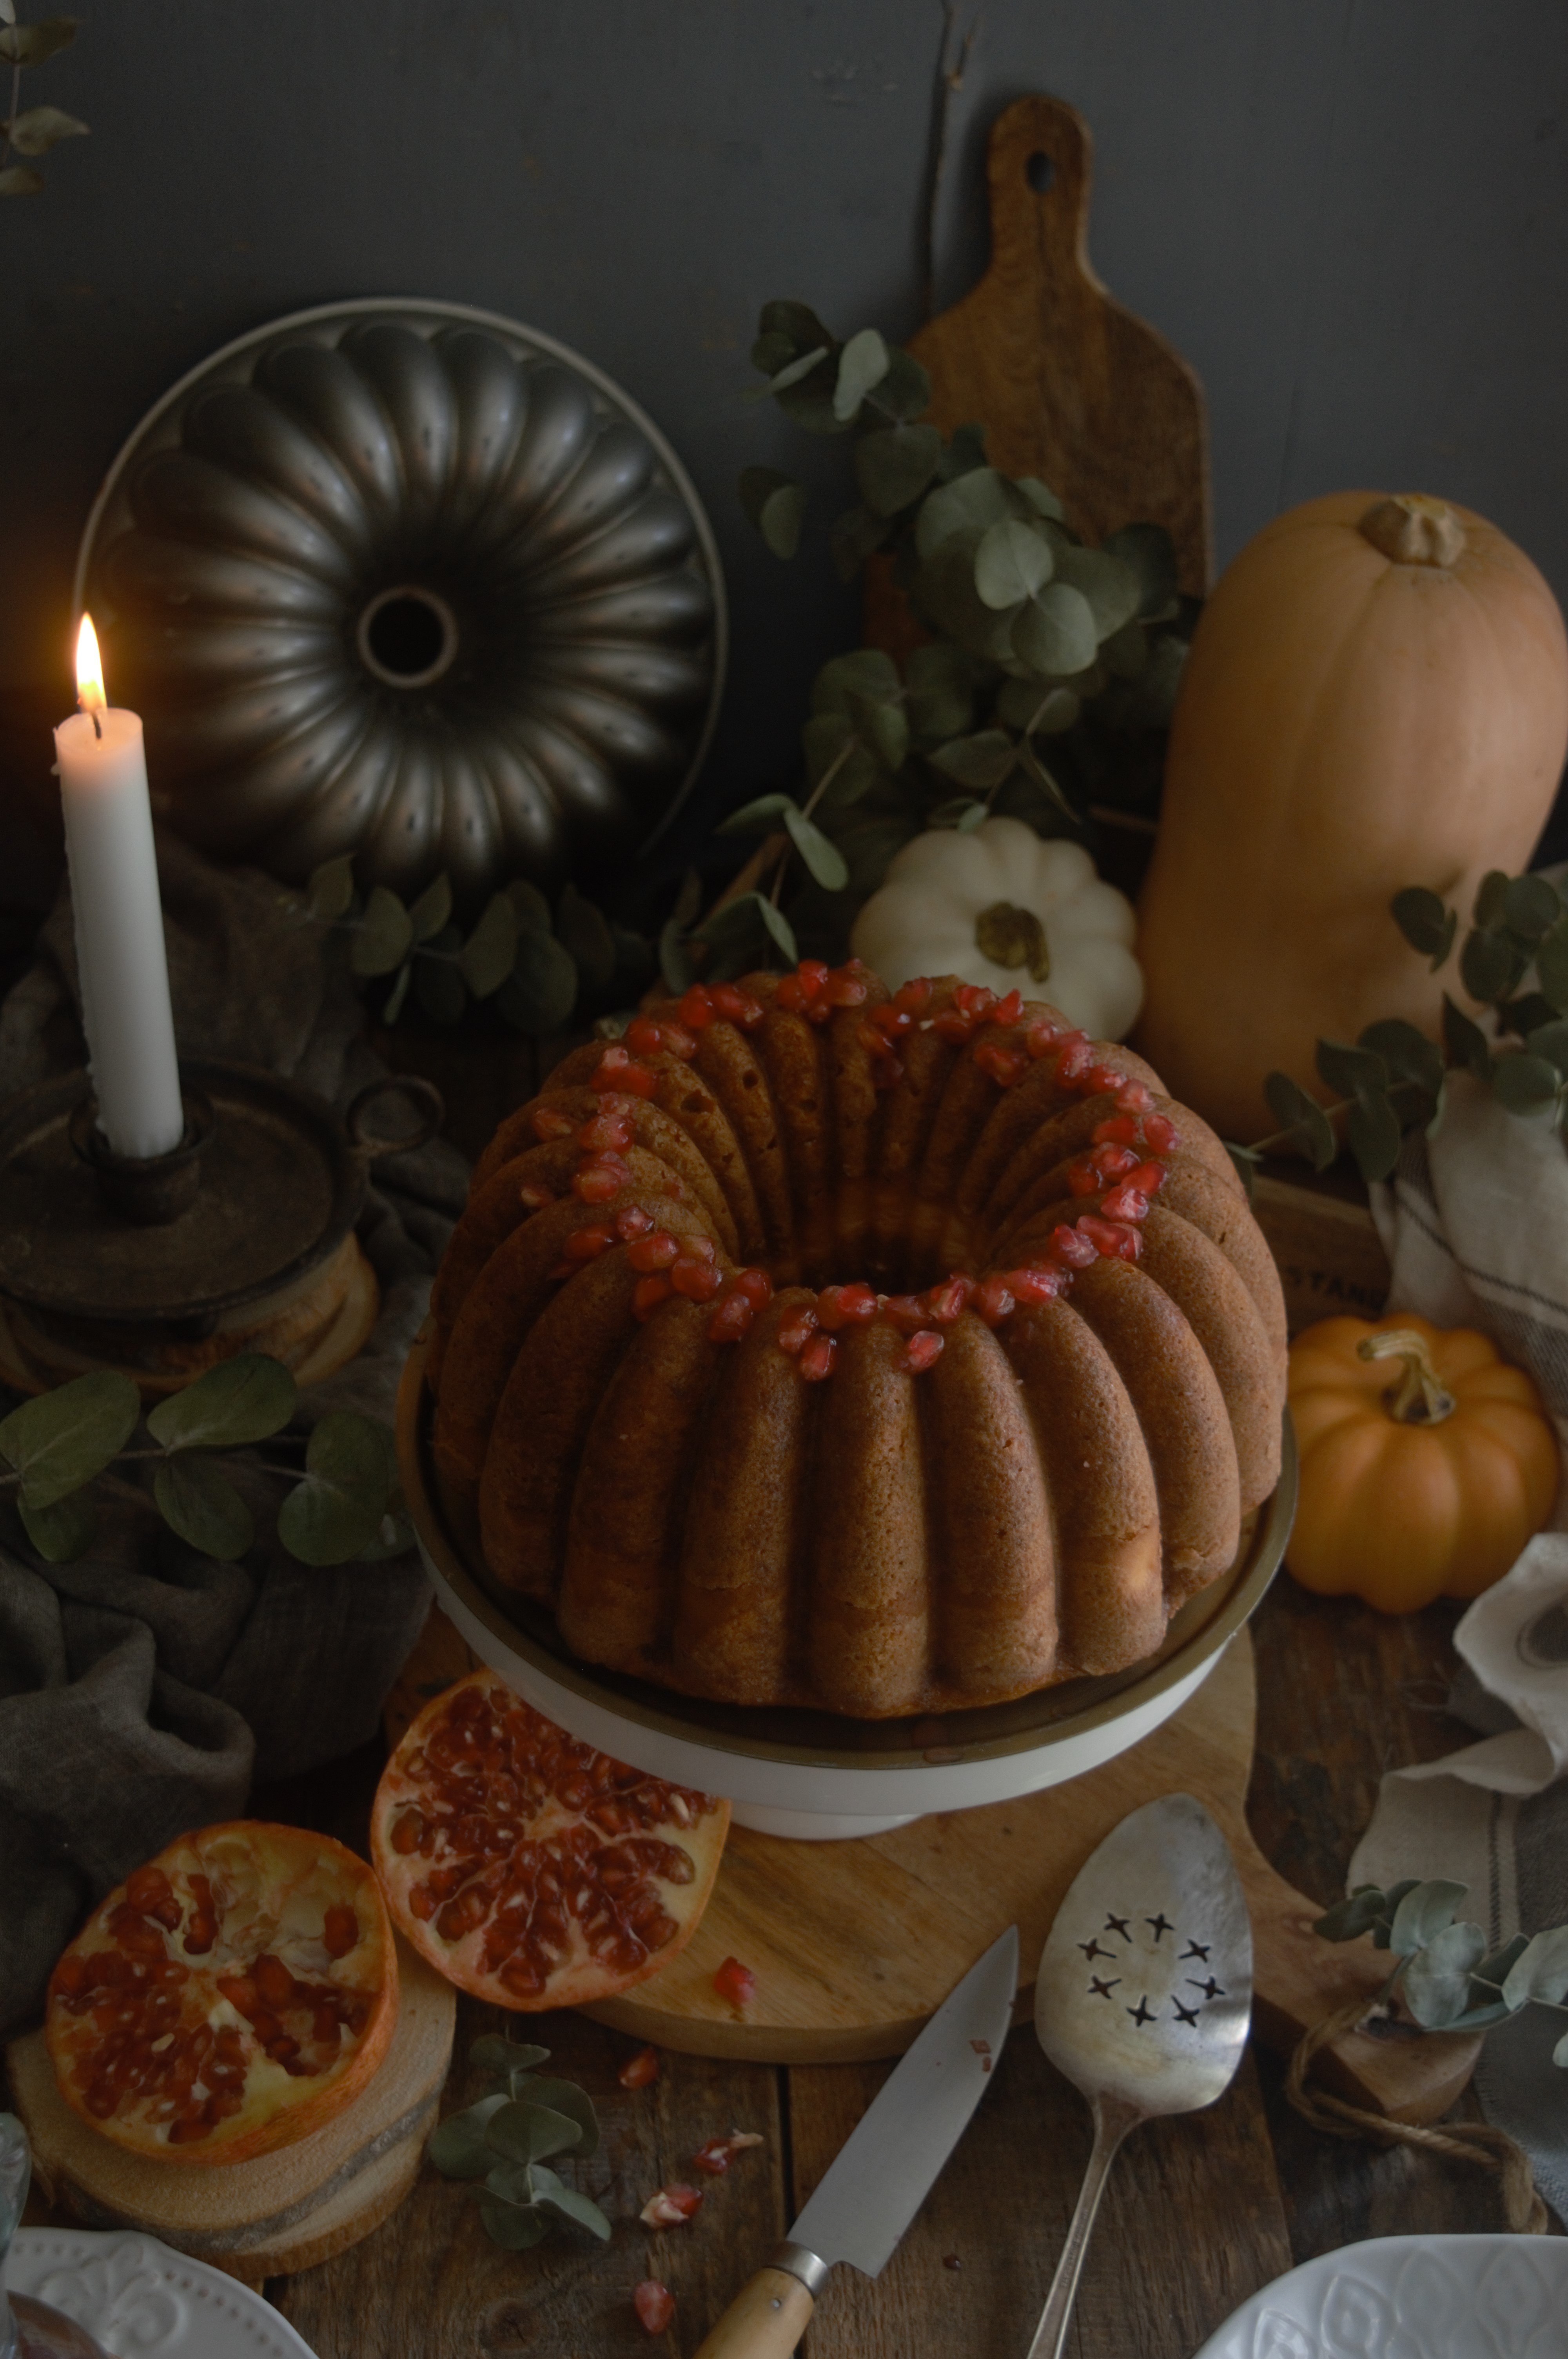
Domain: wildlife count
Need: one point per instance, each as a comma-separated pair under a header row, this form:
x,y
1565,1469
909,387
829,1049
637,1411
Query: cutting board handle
x,y
1039,166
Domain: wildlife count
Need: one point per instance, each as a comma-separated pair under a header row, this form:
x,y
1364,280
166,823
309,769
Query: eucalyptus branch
x,y
1446,1979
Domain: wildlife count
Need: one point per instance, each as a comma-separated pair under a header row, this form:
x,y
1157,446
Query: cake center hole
x,y
408,637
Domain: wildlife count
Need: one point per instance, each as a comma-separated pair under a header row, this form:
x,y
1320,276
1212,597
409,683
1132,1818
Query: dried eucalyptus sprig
x,y
1393,1079
504,2142
32,130
537,969
1447,1979
345,1501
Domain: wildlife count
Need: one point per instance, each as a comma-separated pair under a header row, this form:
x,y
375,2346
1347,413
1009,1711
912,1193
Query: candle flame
x,y
88,669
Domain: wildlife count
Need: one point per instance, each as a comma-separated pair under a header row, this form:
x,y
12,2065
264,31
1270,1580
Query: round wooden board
x,y
286,2210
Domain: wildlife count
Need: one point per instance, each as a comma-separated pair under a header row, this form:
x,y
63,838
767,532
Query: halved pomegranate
x,y
528,1868
229,1997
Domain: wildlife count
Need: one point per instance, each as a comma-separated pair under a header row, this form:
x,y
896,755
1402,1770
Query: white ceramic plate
x,y
144,2300
1411,2298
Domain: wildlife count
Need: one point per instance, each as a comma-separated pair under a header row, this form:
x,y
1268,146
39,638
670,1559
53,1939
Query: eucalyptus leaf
x,y
757,817
1526,1084
583,930
20,181
1041,498
564,2098
797,323
824,859
796,371
1489,965
384,936
1149,555
776,505
1491,904
1351,1071
894,464
1541,1970
971,505
581,2209
1373,1134
530,904
240,1401
1551,1041
336,1510
982,761
1012,563
905,391
524,2132
458,2146
516,2228
63,1531
1392,1900
1531,905
7,12
438,984
963,450
330,890
1303,1119
960,812
1349,1919
541,991
34,45
1426,923
392,1005
1125,654
866,675
939,698
1409,1055
486,958
495,2053
433,910
1527,1013
1421,1912
1055,633
852,537
1109,588
808,404
886,729
1494,1970
862,364
38,128
1551,966
779,927
62,1440
198,1502
1436,1986
1465,1041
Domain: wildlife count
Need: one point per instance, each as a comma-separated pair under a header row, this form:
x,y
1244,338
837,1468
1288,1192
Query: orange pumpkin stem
x,y
1414,530
1419,1398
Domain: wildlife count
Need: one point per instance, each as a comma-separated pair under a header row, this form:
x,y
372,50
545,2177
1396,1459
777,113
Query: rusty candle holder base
x,y
146,1191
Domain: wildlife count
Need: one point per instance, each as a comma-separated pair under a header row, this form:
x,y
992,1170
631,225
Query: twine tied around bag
x,y
1477,2142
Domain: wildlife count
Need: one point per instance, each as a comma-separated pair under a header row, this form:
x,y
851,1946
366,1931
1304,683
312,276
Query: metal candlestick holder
x,y
241,1238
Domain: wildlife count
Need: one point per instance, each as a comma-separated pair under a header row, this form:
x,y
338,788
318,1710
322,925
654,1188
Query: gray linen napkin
x,y
1476,1224
143,1689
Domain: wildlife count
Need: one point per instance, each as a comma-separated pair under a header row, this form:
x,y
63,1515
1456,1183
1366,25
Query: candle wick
x,y
97,725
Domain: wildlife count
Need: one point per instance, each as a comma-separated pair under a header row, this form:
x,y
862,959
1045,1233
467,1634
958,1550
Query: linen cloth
x,y
1476,1224
145,1688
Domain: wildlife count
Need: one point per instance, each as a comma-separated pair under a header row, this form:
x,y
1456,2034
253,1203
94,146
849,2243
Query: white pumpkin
x,y
1002,907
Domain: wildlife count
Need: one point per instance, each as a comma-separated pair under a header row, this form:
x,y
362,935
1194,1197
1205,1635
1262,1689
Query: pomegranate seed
x,y
1113,1238
756,1286
654,2304
1071,1249
642,2068
702,1247
648,1293
994,1300
953,1026
846,1306
549,1121
731,1319
656,1252
1133,1097
1161,1133
886,1073
906,1312
914,996
1149,1177
736,1983
922,1351
1006,1066
609,1132
816,1357
1076,1056
1103,1077
535,1198
643,1035
1113,1161
1125,1204
868,1037
1036,1284
974,999
1082,1176
796,1331
670,2206
890,1019
587,1245
631,1221
713,2158
793,993
945,1301
697,1008
597,1180
678,1041
697,1280
814,973
728,1002
1042,1037
1009,1010
1119,1131
340,1931
617,1070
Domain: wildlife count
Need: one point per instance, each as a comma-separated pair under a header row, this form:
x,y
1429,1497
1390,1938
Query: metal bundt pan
x,y
408,580
847,1775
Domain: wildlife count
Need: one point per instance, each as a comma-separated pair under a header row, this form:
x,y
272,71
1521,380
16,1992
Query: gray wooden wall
x,y
1351,216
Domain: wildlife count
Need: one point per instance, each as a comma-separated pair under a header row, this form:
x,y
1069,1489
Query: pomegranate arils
x,y
793,994
974,1000
648,1293
696,1008
713,2158
1074,1057
1161,1133
549,1121
1113,1161
1120,1130
632,1223
640,2069
1072,1248
846,1306
1035,1284
1103,1077
796,1331
597,1180
731,1319
536,1196
654,2304
737,1004
994,1301
944,1302
735,1982
913,997
1042,1039
1134,1097
587,1245
1125,1204
922,1351
842,989
907,1312
887,1022
609,1132
1009,1010
817,1354
1083,1177
655,1251
617,1070
697,1280
671,2207
756,1286
1115,1239
642,1036
1006,1066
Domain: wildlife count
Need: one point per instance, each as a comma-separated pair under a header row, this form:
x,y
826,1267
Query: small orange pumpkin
x,y
1427,1486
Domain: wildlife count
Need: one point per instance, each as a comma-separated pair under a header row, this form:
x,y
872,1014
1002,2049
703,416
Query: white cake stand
x,y
816,1776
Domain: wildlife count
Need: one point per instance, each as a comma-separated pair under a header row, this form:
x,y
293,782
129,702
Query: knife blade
x,y
886,2168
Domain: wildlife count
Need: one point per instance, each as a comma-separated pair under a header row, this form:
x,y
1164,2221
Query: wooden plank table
x,y
1199,2213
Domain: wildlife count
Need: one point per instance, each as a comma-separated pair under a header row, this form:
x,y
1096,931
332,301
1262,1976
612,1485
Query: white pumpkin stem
x,y
1414,530
1419,1398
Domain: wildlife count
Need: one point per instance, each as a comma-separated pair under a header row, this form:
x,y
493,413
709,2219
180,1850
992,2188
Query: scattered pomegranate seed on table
x,y
654,2304
670,2207
736,1983
640,2069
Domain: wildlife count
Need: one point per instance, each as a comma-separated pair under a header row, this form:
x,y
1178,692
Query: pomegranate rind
x,y
541,1816
273,1886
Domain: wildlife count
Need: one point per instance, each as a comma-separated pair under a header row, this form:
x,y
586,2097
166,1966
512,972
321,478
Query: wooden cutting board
x,y
854,1944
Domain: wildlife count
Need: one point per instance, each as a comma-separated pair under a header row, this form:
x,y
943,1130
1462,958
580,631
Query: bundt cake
x,y
713,1379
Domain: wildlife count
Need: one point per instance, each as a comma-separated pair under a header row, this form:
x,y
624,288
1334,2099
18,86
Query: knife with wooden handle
x,y
886,2169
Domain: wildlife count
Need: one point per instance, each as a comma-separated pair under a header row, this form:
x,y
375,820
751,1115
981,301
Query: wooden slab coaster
x,y
286,2210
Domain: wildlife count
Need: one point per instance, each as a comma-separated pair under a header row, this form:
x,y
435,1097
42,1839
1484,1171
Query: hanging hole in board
x,y
1040,172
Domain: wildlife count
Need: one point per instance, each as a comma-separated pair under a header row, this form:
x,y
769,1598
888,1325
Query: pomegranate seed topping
x,y
814,973
914,996
702,1247
816,1357
1113,1161
1161,1133
648,1293
846,1306
631,1221
610,1132
654,2303
944,1302
1103,1077
756,1286
736,1983
549,1121
994,1300
656,1252
922,1351
1082,1176
886,1073
670,2206
868,1037
697,1008
617,1070
1036,1284
1113,1238
642,2068
587,1245
697,1280
796,1331
643,1035
974,999
953,1025
794,994
907,1312
1074,1057
1148,1176
728,1001
600,1179
1071,1249
1042,1037
843,989
1133,1097
535,1198
731,1319
1119,1131
1009,1010
1006,1066
890,1019
1125,1204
